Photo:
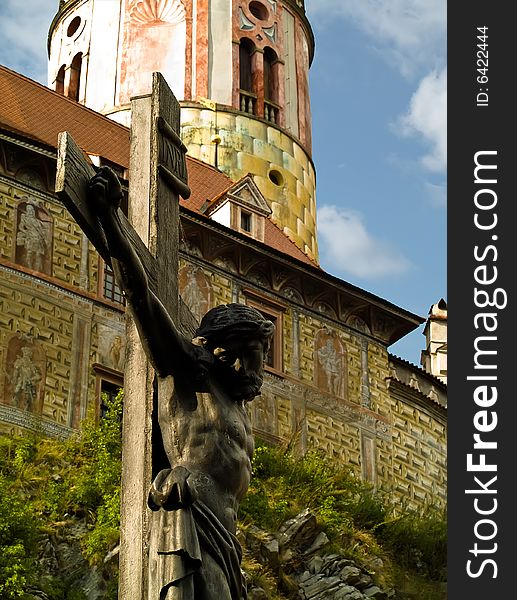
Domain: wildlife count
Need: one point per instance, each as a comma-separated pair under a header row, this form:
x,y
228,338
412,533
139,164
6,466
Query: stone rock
x,y
319,586
257,593
375,592
334,565
270,552
315,564
350,575
298,531
318,543
305,576
349,593
263,545
364,581
286,555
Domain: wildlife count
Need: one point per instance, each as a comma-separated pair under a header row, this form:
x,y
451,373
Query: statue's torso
x,y
210,436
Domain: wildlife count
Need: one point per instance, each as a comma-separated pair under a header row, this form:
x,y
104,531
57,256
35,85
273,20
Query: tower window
x,y
247,97
109,391
271,85
73,26
60,80
111,290
274,313
75,77
258,10
276,177
245,51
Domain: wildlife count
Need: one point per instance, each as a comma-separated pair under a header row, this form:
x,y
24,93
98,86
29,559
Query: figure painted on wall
x,y
116,352
195,290
24,374
112,347
330,371
33,237
26,377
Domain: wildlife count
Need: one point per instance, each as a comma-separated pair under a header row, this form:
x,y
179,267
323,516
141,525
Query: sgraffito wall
x,y
55,325
339,391
330,383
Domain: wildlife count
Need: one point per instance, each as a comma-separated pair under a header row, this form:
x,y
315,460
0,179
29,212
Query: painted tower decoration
x,y
239,68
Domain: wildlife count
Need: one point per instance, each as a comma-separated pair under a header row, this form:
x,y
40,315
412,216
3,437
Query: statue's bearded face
x,y
240,365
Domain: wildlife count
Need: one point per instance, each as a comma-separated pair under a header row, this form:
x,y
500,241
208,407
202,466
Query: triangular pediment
x,y
246,193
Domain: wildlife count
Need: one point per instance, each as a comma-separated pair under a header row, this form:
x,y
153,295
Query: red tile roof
x,y
205,183
276,238
36,112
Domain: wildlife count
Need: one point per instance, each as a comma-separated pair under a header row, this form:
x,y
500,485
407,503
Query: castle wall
x,y
338,392
331,384
55,327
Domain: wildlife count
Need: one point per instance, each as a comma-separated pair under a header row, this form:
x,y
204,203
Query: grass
x,y
47,486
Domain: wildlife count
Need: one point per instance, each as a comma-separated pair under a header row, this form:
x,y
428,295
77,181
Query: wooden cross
x,y
158,176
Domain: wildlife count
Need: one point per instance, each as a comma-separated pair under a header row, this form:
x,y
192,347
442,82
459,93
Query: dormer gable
x,y
241,207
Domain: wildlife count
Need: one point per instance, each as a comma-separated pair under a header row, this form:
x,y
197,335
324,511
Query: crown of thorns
x,y
234,320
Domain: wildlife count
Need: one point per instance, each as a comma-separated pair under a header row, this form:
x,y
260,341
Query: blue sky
x,y
378,97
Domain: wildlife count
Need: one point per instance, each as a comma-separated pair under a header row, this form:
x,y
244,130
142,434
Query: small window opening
x,y
245,52
246,221
73,26
60,80
109,392
258,10
75,77
276,177
111,290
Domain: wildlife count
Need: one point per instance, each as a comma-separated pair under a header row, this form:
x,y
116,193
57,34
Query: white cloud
x,y
427,117
411,33
437,194
23,44
346,246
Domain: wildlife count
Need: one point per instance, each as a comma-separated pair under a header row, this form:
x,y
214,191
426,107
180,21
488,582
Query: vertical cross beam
x,y
158,175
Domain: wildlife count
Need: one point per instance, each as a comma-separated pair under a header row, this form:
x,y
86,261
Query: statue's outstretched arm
x,y
169,351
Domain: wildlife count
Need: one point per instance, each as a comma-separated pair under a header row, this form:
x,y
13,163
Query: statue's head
x,y
238,336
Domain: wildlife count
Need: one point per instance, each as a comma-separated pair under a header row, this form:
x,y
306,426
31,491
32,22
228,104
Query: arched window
x,y
75,77
60,80
247,97
271,84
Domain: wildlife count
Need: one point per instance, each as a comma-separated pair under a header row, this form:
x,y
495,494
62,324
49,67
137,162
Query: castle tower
x,y
240,69
434,357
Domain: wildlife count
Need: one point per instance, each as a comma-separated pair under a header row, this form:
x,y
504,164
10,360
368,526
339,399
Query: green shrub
x,y
18,534
352,512
45,483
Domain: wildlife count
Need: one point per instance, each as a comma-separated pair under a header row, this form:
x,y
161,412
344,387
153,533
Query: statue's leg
x,y
183,590
210,582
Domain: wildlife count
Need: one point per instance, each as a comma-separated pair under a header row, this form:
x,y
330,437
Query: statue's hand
x,y
105,191
170,490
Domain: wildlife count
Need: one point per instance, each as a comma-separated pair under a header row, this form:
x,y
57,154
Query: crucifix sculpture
x,y
181,484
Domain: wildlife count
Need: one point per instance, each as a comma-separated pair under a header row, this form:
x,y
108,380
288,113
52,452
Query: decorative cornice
x,y
302,284
14,416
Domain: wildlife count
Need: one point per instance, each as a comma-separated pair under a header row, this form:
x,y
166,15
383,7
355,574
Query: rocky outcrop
x,y
66,570
296,554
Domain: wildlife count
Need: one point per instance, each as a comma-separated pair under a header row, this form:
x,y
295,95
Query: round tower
x,y
240,69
